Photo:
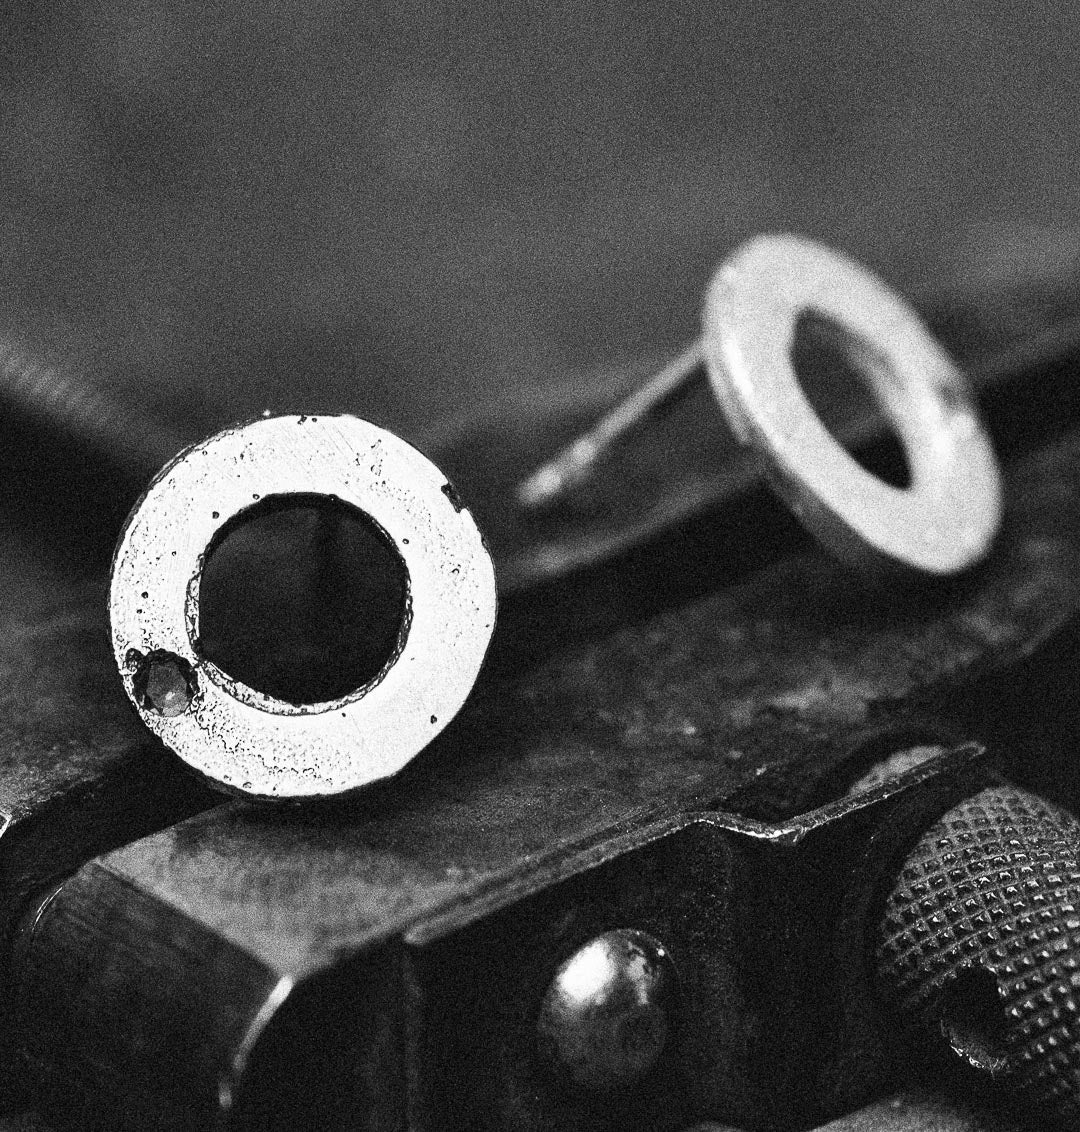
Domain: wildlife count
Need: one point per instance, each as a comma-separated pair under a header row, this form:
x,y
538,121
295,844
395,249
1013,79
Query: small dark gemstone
x,y
165,684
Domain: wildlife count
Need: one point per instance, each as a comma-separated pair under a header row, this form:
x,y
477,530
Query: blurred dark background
x,y
410,208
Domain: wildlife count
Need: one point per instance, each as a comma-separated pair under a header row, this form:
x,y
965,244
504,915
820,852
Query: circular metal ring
x,y
251,743
947,518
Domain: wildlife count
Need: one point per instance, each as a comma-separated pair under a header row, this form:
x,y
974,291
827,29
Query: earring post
x,y
577,462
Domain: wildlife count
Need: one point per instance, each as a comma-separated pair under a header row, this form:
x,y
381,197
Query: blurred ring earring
x,y
248,742
943,523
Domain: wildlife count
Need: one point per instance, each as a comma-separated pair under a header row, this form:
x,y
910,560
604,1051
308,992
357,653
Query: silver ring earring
x,y
246,741
941,524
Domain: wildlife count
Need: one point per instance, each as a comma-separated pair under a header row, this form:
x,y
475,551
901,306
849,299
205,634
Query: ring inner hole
x,y
302,597
850,385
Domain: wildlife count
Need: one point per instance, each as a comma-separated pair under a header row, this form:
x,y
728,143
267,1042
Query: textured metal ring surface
x,y
947,518
238,737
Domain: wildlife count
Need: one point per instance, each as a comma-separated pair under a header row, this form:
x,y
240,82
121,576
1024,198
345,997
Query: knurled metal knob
x,y
979,944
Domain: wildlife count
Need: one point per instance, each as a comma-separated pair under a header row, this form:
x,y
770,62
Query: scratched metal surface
x,y
917,1111
922,1111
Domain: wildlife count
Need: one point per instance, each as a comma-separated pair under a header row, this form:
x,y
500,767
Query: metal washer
x,y
948,517
241,739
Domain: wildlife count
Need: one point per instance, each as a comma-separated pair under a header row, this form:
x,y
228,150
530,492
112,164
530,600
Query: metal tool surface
x,y
82,778
591,784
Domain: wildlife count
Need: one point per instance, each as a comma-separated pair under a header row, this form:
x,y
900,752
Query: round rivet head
x,y
608,1015
249,741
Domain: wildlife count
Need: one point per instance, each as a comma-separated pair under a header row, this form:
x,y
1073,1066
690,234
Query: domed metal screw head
x,y
608,1015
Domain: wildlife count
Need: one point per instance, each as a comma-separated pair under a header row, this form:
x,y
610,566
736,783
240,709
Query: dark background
x,y
409,209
